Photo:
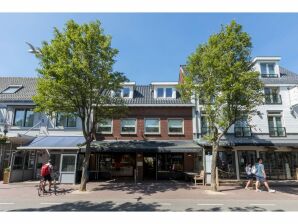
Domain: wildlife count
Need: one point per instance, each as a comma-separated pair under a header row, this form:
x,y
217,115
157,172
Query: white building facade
x,y
271,134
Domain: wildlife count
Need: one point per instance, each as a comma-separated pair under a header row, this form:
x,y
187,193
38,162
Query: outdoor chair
x,y
199,177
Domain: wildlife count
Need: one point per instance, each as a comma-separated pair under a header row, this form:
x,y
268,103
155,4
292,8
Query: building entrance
x,y
149,168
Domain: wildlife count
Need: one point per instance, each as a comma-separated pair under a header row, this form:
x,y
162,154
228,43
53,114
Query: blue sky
x,y
151,46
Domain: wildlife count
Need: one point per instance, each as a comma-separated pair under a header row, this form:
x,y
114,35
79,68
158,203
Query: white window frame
x,y
275,114
267,68
152,133
176,133
135,126
122,92
106,132
163,93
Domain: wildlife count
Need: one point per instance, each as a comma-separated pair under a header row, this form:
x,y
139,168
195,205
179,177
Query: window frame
x,y
275,114
163,92
122,91
166,92
268,74
152,133
176,133
24,117
17,87
128,133
67,121
105,132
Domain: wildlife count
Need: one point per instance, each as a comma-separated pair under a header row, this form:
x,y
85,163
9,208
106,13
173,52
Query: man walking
x,y
261,176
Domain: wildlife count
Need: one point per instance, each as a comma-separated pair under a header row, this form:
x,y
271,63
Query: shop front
x,y
142,160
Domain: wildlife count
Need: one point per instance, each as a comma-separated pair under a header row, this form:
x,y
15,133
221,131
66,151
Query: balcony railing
x,y
277,132
242,131
265,75
273,99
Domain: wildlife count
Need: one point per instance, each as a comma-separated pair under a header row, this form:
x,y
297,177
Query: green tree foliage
x,y
77,77
220,74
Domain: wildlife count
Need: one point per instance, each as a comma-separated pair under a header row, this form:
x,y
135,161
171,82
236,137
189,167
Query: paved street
x,y
148,196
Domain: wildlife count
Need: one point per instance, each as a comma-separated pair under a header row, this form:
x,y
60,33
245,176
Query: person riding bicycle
x,y
45,172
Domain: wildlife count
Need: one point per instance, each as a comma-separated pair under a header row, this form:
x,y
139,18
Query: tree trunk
x,y
84,178
214,186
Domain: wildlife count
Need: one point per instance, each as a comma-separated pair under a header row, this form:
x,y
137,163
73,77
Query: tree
x,y
77,77
220,73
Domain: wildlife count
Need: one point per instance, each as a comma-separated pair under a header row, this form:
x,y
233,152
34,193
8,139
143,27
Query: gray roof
x,y
144,95
24,94
286,77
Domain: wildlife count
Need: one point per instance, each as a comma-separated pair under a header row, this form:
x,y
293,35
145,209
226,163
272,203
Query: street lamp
x,y
33,50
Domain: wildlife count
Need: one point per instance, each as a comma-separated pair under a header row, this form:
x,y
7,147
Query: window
x,y
29,160
64,120
125,92
175,126
272,95
275,125
170,162
12,89
169,92
242,128
128,126
152,126
160,92
267,70
205,130
18,161
105,126
68,163
23,118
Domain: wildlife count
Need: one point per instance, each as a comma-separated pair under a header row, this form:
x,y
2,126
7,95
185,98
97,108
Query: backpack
x,y
45,170
253,169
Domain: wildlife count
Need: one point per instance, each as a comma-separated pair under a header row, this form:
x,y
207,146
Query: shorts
x,y
250,176
47,177
261,179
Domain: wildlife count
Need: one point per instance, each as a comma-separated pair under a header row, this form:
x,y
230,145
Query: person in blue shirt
x,y
261,176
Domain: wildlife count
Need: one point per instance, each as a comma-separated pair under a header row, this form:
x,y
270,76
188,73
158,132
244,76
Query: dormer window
x,y
12,89
267,70
125,92
160,92
169,92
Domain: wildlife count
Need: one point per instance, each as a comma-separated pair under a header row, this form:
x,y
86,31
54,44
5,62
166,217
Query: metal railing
x,y
270,75
273,99
242,131
277,132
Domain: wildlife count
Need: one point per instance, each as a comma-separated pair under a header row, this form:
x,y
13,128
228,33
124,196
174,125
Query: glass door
x,y
245,157
68,168
149,167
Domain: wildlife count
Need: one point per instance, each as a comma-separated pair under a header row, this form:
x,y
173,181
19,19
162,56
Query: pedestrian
x,y
249,176
261,176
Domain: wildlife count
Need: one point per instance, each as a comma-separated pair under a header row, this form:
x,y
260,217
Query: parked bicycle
x,y
42,185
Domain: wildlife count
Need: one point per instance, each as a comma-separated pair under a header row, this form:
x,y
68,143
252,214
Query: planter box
x,y
6,176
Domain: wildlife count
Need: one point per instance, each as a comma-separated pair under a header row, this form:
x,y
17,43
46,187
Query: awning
x,y
55,142
145,146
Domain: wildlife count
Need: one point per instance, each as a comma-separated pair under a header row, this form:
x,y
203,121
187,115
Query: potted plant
x,y
3,139
6,175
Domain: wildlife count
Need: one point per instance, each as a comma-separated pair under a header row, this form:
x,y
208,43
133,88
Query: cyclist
x,y
46,171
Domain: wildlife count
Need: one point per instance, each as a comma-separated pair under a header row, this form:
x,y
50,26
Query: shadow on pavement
x,y
148,188
104,206
234,209
287,189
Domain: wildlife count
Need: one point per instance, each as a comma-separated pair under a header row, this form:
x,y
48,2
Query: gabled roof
x,y
143,94
23,95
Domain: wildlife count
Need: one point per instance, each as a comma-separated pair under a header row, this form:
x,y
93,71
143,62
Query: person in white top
x,y
249,176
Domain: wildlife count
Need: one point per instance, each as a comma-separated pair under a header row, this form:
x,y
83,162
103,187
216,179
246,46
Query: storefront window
x,y
226,164
245,157
170,162
18,161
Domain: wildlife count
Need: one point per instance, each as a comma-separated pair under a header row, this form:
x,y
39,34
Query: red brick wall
x,y
163,113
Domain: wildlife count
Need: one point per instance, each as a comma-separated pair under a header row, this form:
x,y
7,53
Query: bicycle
x,y
42,184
